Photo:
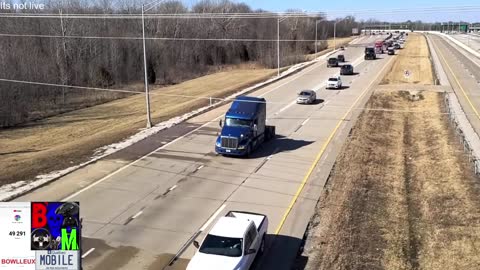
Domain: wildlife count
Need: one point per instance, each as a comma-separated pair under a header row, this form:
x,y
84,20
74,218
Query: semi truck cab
x,y
244,127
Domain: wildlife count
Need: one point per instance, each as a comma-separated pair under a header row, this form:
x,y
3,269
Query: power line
x,y
165,16
265,15
70,86
162,38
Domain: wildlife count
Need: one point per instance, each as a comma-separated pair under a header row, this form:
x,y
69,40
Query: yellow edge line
x,y
322,150
457,81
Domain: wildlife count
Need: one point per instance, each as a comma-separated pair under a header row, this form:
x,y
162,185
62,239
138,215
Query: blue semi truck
x,y
244,128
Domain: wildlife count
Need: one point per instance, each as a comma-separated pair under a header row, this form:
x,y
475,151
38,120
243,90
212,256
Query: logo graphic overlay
x,y
55,226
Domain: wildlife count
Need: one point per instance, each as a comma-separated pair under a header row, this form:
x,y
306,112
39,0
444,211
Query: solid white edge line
x,y
137,215
88,253
212,217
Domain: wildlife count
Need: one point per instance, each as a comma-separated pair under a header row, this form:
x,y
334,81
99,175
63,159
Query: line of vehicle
x,y
456,80
320,86
323,148
303,73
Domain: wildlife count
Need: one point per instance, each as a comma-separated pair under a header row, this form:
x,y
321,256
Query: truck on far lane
x,y
379,47
244,129
232,244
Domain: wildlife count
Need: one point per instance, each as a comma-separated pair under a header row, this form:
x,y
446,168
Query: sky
x,y
347,7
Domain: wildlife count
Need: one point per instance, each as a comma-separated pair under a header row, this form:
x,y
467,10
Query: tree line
x,y
108,53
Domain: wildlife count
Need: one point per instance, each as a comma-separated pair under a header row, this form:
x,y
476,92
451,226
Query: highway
x,y
463,73
143,204
471,40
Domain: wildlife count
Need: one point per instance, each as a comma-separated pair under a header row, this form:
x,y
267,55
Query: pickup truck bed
x,y
258,219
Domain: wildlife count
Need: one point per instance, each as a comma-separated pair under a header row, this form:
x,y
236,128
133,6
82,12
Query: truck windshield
x,y
224,246
235,122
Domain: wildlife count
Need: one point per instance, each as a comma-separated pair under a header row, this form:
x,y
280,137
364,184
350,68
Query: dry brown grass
x,y
402,194
340,42
414,58
402,198
58,142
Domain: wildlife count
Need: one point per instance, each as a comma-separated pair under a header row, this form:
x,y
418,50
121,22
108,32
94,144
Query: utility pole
x,y
335,33
278,47
147,94
316,34
65,72
279,19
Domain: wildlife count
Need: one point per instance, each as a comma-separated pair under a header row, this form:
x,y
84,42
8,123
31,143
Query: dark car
x,y
346,70
341,58
391,51
332,62
370,53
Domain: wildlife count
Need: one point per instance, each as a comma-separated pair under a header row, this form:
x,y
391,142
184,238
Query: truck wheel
x,y
249,151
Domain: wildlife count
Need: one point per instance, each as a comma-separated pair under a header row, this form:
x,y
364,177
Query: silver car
x,y
306,97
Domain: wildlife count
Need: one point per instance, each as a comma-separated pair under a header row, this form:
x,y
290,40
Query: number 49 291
x,y
17,233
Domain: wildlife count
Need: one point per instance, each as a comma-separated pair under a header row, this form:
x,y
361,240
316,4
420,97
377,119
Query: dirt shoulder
x,y
402,197
62,141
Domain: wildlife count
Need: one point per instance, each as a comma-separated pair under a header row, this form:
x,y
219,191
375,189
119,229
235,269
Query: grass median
x,y
402,194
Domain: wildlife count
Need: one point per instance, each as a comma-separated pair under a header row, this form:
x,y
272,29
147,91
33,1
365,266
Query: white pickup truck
x,y
232,243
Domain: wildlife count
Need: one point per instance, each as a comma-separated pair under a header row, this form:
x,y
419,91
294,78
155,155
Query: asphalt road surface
x,y
140,207
463,73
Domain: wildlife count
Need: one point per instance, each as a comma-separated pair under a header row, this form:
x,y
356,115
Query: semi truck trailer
x,y
244,128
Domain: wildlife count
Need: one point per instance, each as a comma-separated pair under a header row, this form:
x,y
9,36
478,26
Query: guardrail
x,y
467,148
